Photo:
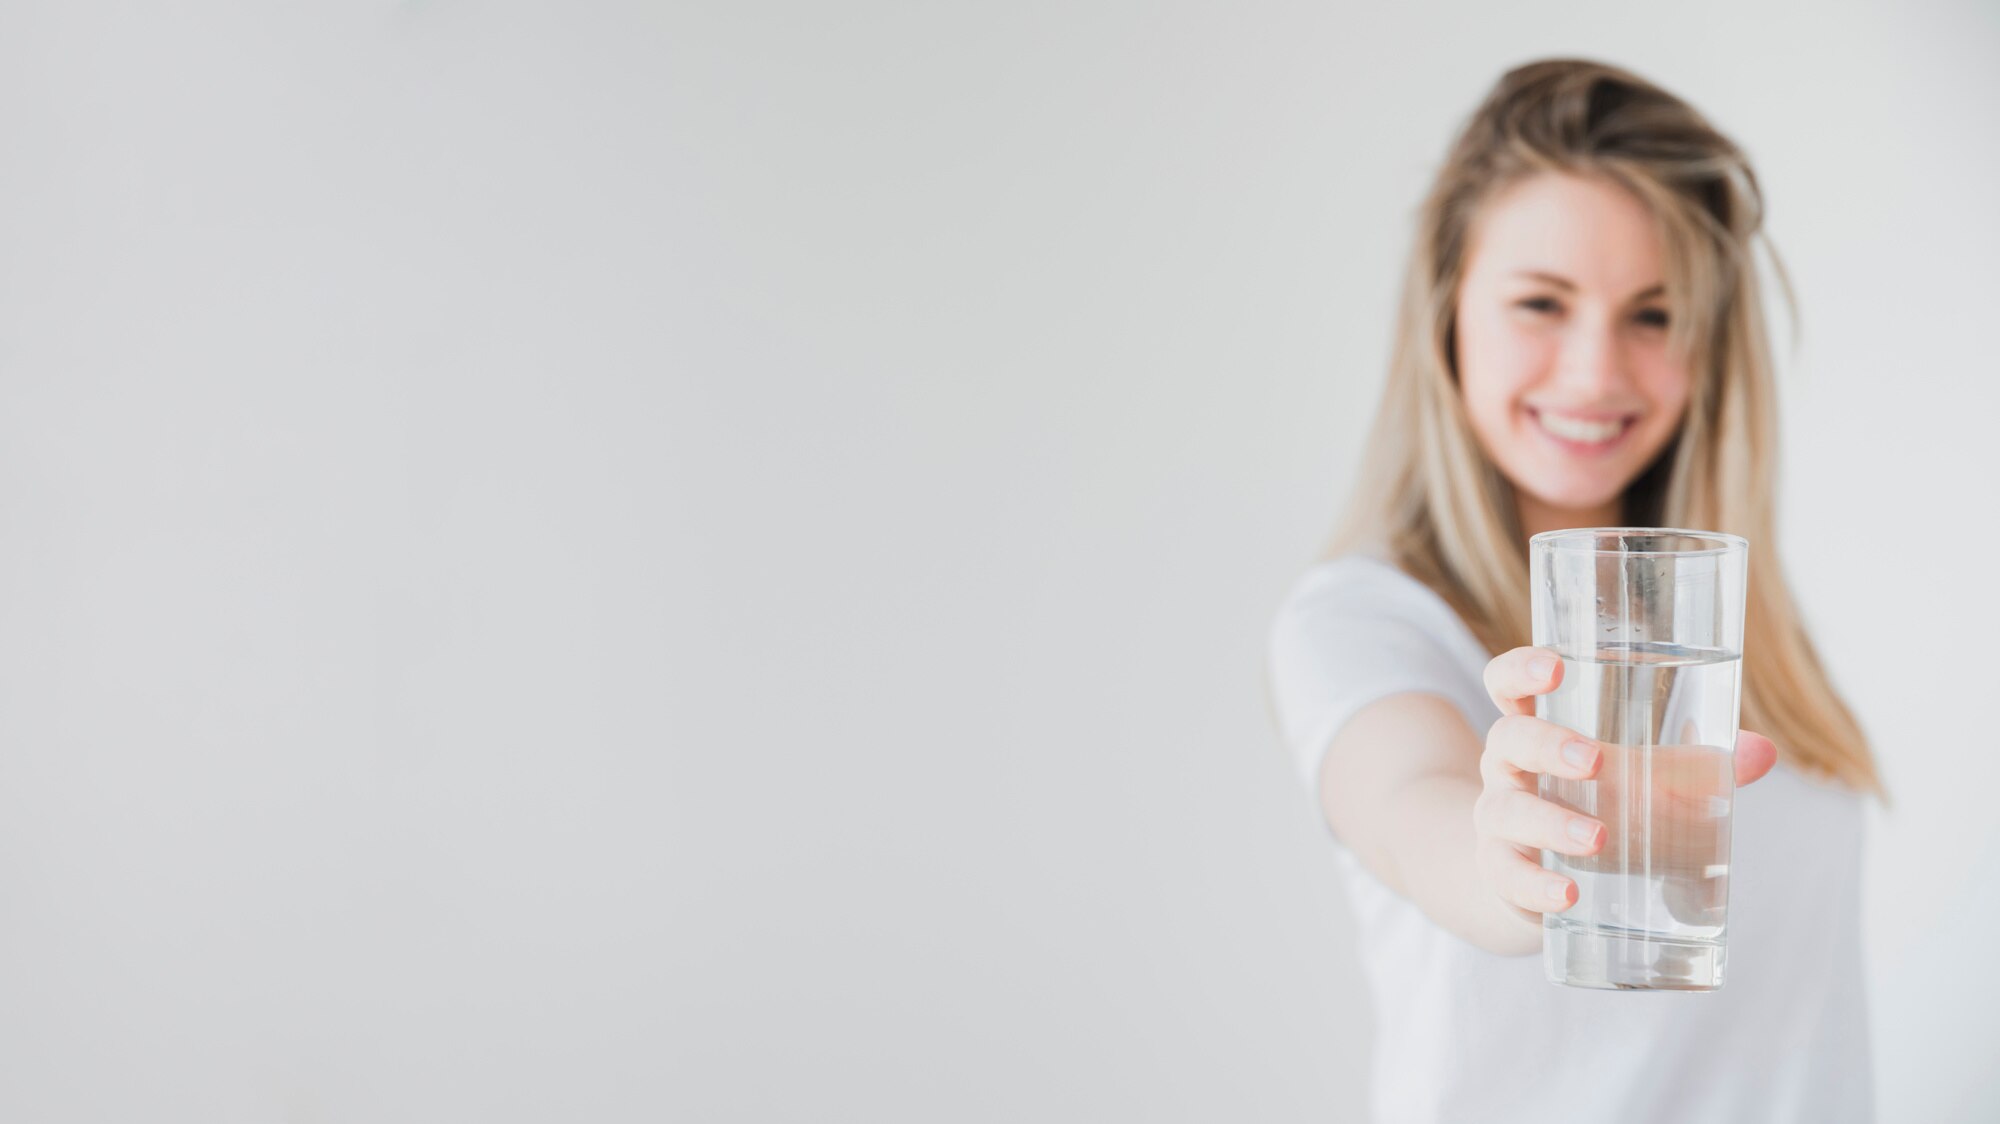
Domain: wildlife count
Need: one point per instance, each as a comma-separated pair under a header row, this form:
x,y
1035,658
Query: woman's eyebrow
x,y
1565,284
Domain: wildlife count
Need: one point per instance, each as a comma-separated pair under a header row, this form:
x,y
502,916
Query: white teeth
x,y
1570,429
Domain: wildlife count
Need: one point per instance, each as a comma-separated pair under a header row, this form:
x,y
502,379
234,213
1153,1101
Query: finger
x,y
1527,819
1514,676
1521,882
1755,754
1523,743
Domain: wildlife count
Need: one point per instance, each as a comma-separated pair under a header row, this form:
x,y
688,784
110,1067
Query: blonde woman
x,y
1581,343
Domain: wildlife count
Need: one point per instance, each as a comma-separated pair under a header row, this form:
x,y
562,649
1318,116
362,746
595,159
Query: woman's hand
x,y
1514,824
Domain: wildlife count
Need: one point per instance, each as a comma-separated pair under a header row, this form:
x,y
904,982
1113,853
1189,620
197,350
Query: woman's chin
x,y
1582,504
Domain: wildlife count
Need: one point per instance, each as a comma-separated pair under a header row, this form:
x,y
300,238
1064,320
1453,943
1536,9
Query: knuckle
x,y
1506,676
1553,825
1526,886
1491,758
1507,821
1552,741
1515,737
1482,812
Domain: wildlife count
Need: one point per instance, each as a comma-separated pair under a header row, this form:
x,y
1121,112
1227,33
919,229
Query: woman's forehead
x,y
1592,233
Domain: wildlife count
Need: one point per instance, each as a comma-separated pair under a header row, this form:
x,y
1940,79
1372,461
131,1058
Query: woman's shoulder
x,y
1357,628
1362,603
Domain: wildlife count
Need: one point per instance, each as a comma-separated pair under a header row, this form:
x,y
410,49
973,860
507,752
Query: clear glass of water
x,y
1649,624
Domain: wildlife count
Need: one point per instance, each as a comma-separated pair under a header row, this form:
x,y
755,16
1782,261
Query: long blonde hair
x,y
1447,516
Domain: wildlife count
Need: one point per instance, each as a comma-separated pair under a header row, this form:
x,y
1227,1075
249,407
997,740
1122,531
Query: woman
x,y
1581,343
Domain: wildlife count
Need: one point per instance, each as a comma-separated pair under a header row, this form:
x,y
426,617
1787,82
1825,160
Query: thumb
x,y
1755,754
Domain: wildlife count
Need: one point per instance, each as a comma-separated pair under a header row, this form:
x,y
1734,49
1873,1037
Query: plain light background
x,y
711,562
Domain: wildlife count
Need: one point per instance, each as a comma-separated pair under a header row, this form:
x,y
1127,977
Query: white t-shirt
x,y
1464,1035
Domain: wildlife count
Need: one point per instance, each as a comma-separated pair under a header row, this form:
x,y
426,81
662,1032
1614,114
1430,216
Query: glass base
x,y
1628,961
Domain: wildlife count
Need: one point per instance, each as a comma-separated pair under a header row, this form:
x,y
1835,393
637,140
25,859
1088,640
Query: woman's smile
x,y
1579,436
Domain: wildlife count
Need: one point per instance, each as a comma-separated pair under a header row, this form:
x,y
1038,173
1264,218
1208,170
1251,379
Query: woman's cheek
x,y
1669,388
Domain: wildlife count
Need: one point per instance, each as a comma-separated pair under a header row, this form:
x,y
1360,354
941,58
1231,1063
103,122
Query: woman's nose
x,y
1591,357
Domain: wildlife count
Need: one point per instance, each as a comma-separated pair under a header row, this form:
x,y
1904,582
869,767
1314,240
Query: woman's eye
x,y
1539,304
1654,318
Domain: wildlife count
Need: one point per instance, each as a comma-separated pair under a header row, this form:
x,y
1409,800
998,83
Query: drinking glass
x,y
1648,622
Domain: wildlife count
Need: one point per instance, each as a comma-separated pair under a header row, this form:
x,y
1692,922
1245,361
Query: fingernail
x,y
1578,753
1541,667
1583,831
1559,891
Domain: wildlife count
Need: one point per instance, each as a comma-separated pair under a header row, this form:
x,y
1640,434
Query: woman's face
x,y
1562,340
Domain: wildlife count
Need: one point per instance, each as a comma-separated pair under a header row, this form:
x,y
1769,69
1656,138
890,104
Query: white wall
x,y
711,563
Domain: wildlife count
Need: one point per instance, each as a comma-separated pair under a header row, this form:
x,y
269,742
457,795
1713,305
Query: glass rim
x,y
1554,540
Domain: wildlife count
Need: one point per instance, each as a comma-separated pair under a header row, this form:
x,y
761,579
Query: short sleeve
x,y
1352,631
